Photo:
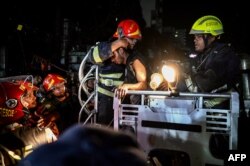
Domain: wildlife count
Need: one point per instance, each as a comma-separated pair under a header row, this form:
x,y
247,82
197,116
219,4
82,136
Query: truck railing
x,y
181,122
92,73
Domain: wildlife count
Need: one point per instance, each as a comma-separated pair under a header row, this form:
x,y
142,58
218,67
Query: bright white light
x,y
168,73
192,55
156,80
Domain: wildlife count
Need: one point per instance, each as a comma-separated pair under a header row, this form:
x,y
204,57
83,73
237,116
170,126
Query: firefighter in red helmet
x,y
130,30
60,109
114,69
16,138
45,116
16,98
51,80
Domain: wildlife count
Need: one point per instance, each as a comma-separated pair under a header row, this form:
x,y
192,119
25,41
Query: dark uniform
x,y
130,76
217,66
110,75
217,71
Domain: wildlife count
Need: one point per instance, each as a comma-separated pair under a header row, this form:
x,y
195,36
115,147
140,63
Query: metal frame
x,y
181,122
82,79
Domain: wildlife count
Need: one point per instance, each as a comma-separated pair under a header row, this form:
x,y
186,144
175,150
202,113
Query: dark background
x,y
90,21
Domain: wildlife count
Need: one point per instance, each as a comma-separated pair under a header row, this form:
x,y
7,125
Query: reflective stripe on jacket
x,y
111,75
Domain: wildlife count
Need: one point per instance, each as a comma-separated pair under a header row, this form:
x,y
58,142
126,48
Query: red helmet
x,y
11,108
26,85
51,80
128,28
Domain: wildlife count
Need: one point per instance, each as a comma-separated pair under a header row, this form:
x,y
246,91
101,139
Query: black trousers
x,y
105,112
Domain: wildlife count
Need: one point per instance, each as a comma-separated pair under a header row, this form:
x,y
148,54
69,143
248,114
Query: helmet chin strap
x,y
205,39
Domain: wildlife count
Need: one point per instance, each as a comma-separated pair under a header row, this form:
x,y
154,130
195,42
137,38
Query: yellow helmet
x,y
207,25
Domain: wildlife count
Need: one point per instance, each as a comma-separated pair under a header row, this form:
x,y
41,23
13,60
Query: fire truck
x,y
179,128
173,128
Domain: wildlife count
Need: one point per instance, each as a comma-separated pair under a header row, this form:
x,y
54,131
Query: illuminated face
x,y
199,43
59,90
29,99
117,58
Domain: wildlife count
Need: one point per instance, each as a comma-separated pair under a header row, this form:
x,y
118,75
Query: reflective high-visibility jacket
x,y
111,75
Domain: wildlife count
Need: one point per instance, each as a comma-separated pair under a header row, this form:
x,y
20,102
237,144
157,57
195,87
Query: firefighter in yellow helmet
x,y
217,66
217,70
207,25
112,58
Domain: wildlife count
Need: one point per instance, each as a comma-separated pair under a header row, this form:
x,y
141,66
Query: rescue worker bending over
x,y
135,78
112,75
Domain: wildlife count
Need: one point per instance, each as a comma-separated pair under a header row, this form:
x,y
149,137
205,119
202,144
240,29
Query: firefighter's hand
x,y
163,86
121,91
43,123
46,120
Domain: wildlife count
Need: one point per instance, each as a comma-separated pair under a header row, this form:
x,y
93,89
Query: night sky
x,y
234,17
96,20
